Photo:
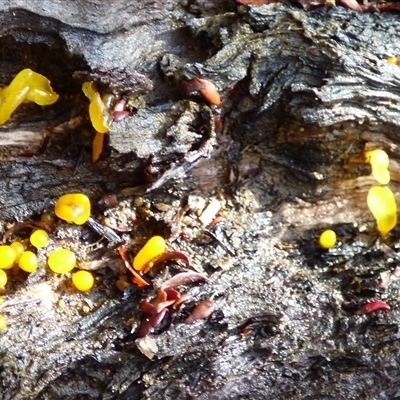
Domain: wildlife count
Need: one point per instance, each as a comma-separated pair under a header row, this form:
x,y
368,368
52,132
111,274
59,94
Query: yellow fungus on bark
x,y
39,238
327,239
153,248
73,207
382,204
83,280
19,248
3,323
27,86
28,261
7,257
379,161
3,278
61,261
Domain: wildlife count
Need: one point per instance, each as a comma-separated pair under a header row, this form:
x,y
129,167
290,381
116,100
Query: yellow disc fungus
x,y
382,204
28,261
3,278
327,239
73,207
61,261
27,86
379,161
98,112
39,238
153,248
19,248
83,280
3,323
7,256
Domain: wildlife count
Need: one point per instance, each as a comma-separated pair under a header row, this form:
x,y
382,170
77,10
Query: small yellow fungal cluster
x,y
27,86
381,200
153,248
327,239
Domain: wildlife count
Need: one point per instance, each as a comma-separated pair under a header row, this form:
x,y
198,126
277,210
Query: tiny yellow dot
x,y
83,280
327,239
39,239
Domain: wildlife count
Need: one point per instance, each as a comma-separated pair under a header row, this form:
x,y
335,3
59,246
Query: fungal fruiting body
x,y
27,86
3,278
19,248
39,238
28,261
73,207
206,88
373,306
61,261
327,239
153,248
7,257
382,204
3,323
83,280
379,161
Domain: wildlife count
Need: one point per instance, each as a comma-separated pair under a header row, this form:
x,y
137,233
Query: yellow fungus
x,y
7,256
382,204
73,207
98,112
379,161
19,248
97,146
153,248
3,323
327,239
83,280
391,60
39,238
61,261
28,261
27,86
3,278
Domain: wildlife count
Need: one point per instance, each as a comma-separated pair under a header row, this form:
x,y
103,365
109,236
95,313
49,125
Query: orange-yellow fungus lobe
x,y
379,161
28,261
39,238
27,86
61,261
97,146
327,239
3,278
98,112
382,204
83,280
19,248
3,323
73,207
153,248
7,257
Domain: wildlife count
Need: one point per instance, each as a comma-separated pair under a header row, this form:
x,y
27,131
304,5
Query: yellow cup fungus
x,y
27,86
153,248
73,207
61,261
379,161
19,248
382,204
7,256
83,280
39,238
98,112
28,261
327,239
3,323
3,278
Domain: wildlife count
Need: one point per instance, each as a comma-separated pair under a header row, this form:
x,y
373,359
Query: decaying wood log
x,y
303,95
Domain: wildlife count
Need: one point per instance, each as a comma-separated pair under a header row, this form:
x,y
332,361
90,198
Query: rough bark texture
x,y
303,94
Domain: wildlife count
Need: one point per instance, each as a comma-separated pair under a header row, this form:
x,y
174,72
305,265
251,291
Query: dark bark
x,y
303,94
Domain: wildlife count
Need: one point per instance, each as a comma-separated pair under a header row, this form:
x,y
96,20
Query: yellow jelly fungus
x,y
97,146
153,248
3,323
61,261
3,278
19,248
7,256
83,280
379,161
28,261
27,86
391,60
382,204
39,239
327,239
73,207
98,112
